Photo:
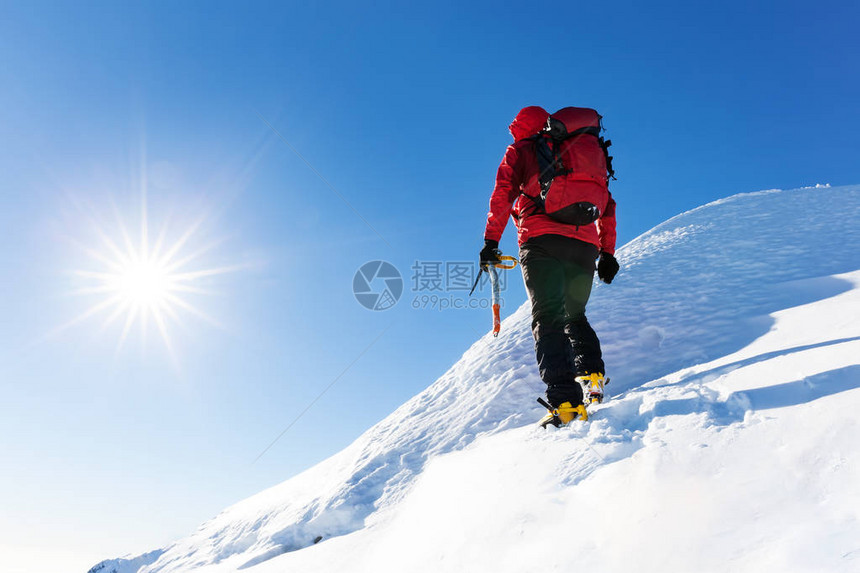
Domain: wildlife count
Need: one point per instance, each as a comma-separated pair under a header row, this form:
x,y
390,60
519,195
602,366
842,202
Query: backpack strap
x,y
549,163
605,144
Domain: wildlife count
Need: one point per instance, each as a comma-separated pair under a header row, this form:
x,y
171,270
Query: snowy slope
x,y
733,342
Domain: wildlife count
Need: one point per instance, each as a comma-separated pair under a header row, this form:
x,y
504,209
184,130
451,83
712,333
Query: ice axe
x,y
505,262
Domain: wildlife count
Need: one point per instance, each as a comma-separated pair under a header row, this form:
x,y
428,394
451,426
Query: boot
x,y
563,415
592,386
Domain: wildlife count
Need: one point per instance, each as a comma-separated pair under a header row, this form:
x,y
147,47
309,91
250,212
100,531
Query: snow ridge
x,y
698,303
125,564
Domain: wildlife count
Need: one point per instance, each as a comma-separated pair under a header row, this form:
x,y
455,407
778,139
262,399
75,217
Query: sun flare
x,y
142,282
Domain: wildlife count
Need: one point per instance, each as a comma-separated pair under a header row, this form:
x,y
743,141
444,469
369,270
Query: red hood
x,y
528,122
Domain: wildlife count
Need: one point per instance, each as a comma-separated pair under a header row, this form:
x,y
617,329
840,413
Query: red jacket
x,y
518,174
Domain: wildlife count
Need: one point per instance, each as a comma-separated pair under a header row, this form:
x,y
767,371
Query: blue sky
x,y
404,110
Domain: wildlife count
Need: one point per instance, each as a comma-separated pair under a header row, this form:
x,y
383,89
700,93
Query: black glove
x,y
490,253
607,267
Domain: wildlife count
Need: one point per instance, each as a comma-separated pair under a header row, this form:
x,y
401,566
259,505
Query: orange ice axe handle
x,y
496,300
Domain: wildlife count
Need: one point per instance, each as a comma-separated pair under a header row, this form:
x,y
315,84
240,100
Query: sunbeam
x,y
144,282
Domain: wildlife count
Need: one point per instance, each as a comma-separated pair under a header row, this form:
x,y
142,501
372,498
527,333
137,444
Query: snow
x,y
127,564
732,340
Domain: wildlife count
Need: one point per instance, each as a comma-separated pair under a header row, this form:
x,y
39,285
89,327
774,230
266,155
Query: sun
x,y
145,283
140,281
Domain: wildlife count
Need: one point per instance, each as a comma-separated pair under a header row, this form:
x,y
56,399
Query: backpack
x,y
574,167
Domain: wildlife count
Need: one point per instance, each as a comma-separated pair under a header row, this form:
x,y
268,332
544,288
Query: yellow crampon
x,y
564,414
592,386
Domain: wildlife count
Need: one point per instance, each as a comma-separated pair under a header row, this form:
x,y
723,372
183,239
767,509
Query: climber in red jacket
x,y
553,181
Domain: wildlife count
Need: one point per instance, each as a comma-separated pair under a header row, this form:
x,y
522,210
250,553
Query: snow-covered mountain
x,y
732,338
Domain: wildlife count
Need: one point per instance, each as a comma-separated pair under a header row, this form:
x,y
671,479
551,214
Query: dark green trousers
x,y
558,272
